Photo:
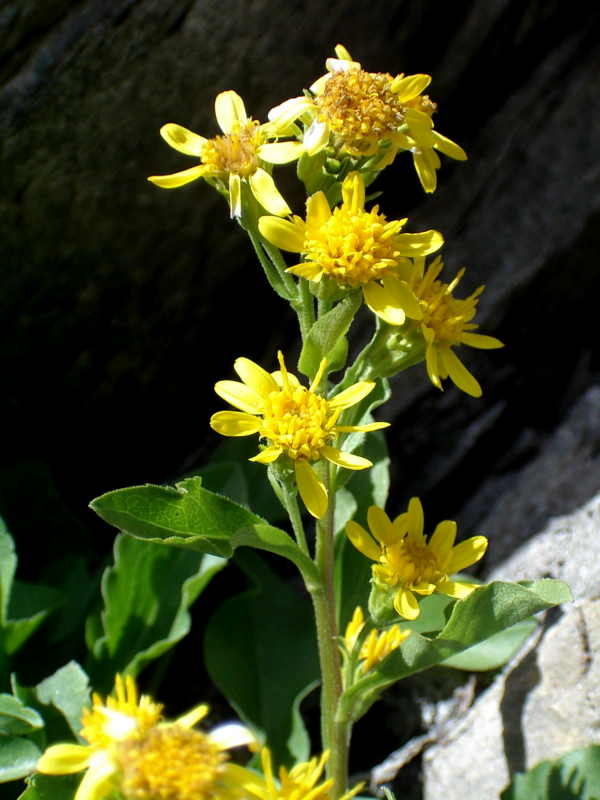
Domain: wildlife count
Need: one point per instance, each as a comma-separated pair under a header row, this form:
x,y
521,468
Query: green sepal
x,y
487,611
310,170
326,338
191,517
381,604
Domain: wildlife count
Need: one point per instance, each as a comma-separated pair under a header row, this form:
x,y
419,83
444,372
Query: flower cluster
x,y
406,564
377,645
295,421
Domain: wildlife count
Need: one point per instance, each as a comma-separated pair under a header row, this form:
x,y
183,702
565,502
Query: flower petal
x,y
353,192
406,604
481,341
416,519
403,297
235,423
176,179
268,455
419,244
317,210
442,541
312,490
230,111
425,170
289,111
382,303
98,781
363,542
448,147
467,553
366,428
431,362
307,269
192,717
380,525
235,196
407,87
457,589
342,459
183,140
352,395
255,376
282,233
280,152
240,396
459,374
268,195
232,734
316,137
64,759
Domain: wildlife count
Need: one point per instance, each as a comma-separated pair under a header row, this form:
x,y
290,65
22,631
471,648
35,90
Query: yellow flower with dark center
x,y
357,111
446,323
407,563
301,782
133,752
377,644
355,248
236,156
296,421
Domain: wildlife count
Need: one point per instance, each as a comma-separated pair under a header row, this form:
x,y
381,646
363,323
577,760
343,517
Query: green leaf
x,y
260,651
487,611
147,594
574,776
326,333
8,566
18,757
16,718
495,651
68,691
191,517
50,787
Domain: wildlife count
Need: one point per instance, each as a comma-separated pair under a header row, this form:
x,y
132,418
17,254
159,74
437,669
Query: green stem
x,y
335,733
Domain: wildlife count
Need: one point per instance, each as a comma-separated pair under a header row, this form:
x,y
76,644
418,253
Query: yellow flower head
x,y
132,752
355,248
238,155
296,421
410,565
301,782
356,111
377,644
446,322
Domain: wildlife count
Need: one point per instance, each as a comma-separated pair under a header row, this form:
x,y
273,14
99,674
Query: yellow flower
x,y
407,563
236,156
445,323
301,782
132,752
377,644
297,422
357,111
355,248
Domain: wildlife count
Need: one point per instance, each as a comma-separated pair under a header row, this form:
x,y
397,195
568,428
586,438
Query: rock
x,y
545,702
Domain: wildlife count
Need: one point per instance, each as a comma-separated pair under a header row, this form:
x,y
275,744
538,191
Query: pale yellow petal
x,y
342,53
289,111
240,396
182,140
235,196
268,455
366,428
425,170
232,734
235,423
282,233
407,87
363,542
311,489
307,269
419,244
192,717
466,553
176,179
481,341
255,376
64,759
381,525
424,588
457,589
406,604
353,192
352,395
403,297
382,303
317,210
280,152
316,137
459,374
230,111
431,362
98,781
347,460
268,195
